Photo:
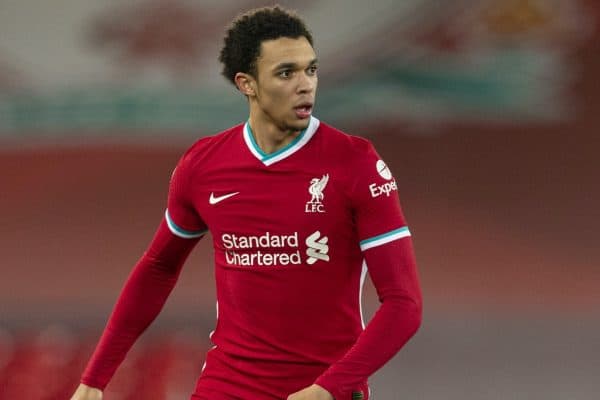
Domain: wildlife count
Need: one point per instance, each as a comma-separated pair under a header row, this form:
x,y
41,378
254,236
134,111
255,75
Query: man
x,y
297,211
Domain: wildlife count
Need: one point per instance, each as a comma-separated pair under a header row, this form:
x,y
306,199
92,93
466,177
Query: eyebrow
x,y
291,65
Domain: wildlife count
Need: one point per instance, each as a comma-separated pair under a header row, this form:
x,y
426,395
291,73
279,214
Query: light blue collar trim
x,y
284,152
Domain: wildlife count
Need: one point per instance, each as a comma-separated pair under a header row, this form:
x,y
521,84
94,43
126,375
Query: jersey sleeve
x,y
141,300
380,225
376,206
182,218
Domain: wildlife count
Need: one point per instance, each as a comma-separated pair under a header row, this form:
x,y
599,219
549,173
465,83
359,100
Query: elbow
x,y
411,315
419,316
414,317
408,311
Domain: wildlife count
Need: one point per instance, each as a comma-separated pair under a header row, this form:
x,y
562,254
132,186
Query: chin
x,y
301,124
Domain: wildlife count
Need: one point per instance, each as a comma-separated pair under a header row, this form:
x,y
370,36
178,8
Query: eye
x,y
312,70
286,73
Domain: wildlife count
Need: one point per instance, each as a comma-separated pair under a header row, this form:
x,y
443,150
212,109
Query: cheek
x,y
277,97
281,93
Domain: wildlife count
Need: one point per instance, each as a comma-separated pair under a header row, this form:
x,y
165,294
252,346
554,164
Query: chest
x,y
254,200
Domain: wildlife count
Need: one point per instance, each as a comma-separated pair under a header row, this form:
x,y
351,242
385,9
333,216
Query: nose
x,y
307,83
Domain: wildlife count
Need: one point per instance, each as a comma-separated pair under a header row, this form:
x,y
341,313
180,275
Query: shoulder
x,y
206,145
353,158
349,147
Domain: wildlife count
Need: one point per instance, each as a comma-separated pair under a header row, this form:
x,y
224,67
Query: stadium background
x,y
487,112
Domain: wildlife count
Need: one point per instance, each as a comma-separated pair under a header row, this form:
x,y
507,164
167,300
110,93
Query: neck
x,y
268,136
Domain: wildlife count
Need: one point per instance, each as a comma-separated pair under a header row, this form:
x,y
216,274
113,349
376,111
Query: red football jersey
x,y
289,230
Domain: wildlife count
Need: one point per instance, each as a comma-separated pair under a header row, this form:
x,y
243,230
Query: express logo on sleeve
x,y
388,187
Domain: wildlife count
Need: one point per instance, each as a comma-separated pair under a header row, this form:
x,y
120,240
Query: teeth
x,y
304,109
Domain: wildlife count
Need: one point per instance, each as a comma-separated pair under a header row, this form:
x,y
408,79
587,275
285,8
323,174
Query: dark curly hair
x,y
244,36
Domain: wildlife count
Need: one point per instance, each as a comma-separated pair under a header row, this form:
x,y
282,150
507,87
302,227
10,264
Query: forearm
x,y
140,301
138,305
393,271
392,326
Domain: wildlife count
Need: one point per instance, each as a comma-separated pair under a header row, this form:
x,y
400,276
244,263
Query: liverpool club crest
x,y
316,188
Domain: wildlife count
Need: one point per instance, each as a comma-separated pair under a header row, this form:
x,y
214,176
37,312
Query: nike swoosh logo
x,y
214,200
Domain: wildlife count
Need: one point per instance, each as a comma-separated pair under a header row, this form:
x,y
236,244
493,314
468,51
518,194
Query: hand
x,y
85,392
313,392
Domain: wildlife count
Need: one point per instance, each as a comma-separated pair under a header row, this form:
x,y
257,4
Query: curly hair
x,y
244,36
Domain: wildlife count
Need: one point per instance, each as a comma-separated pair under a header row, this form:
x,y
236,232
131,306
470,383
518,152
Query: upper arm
x,y
181,216
383,234
376,209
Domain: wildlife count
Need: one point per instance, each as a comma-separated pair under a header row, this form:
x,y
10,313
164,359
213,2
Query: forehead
x,y
285,50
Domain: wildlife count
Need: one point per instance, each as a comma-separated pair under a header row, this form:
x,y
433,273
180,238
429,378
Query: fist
x,y
313,392
85,392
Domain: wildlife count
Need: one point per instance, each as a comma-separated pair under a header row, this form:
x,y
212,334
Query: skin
x,y
85,392
313,392
286,77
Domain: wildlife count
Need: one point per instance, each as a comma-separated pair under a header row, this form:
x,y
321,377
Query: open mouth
x,y
303,111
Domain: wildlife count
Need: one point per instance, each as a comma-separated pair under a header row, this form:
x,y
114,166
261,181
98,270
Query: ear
x,y
245,84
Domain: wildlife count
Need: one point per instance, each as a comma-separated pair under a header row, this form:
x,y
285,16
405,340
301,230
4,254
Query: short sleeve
x,y
181,216
377,213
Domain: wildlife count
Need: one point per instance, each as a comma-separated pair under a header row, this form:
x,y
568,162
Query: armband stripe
x,y
384,238
177,231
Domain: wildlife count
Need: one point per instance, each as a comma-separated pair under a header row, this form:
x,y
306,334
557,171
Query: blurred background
x,y
488,113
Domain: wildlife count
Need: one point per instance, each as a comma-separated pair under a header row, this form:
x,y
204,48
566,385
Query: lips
x,y
303,110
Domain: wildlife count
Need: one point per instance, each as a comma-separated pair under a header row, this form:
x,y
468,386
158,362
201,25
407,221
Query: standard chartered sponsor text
x,y
267,240
233,242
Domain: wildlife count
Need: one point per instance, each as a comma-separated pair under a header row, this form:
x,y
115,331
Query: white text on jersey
x,y
386,188
271,249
